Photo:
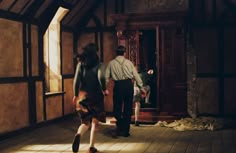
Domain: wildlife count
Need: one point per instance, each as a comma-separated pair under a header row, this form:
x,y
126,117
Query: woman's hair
x,y
89,55
120,50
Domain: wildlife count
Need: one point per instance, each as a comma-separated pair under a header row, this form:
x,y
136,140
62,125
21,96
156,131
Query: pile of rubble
x,y
199,123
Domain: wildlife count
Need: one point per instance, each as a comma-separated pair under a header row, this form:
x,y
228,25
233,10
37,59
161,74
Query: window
x,y
52,56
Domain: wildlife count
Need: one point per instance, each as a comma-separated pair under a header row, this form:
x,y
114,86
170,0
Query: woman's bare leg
x,y
148,90
82,129
136,112
92,132
80,132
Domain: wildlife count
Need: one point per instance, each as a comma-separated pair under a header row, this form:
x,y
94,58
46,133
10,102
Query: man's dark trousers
x,y
123,102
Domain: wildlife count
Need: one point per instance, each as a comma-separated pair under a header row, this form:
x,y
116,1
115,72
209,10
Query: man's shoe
x,y
114,135
92,150
126,135
76,143
136,123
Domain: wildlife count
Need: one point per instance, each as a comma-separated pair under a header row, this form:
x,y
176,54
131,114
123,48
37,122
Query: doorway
x,y
147,57
158,40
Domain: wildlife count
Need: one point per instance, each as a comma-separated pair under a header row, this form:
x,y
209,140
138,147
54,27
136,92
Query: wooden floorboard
x,y
57,138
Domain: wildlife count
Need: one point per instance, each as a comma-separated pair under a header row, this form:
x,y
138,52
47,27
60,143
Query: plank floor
x,y
57,138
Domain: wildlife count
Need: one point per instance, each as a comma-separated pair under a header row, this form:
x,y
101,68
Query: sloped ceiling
x,y
41,12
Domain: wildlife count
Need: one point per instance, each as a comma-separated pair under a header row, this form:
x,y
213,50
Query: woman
x,y
89,84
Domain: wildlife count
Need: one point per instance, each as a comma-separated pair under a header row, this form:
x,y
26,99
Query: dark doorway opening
x,y
147,41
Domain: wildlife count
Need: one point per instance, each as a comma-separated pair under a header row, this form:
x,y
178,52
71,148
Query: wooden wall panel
x,y
99,46
209,10
35,50
54,107
206,45
207,96
68,104
67,53
100,13
11,48
84,39
197,11
110,44
229,96
146,6
14,109
39,101
110,10
206,11
91,24
230,50
219,8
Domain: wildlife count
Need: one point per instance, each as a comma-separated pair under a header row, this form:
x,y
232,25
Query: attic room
x,y
189,45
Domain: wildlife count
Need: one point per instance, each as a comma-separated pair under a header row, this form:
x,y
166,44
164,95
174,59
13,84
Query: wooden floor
x,y
57,138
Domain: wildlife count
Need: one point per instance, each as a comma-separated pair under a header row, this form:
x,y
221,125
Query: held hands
x,y
77,105
143,93
76,99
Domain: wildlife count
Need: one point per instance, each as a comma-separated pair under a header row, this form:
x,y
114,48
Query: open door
x,y
172,74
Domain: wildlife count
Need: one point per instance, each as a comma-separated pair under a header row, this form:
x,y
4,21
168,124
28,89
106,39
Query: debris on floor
x,y
199,123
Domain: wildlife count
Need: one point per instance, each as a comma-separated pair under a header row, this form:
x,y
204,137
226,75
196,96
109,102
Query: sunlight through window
x,y
52,53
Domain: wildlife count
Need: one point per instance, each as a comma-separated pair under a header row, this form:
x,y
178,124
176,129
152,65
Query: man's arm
x,y
137,77
108,73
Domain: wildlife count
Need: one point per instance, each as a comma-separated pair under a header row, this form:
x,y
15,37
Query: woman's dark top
x,y
91,80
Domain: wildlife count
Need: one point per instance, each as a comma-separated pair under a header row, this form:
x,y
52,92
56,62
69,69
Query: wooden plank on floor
x,y
217,144
193,143
157,139
139,140
181,144
228,140
57,138
168,142
205,143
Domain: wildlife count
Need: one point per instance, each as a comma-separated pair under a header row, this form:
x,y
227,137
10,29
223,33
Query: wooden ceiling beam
x,y
73,12
82,23
11,6
66,5
46,17
31,11
24,7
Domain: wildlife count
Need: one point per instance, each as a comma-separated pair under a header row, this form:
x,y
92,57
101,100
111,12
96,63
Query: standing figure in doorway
x,y
141,94
122,71
89,87
145,76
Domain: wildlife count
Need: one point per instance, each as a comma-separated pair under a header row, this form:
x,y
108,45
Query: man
x,y
122,71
